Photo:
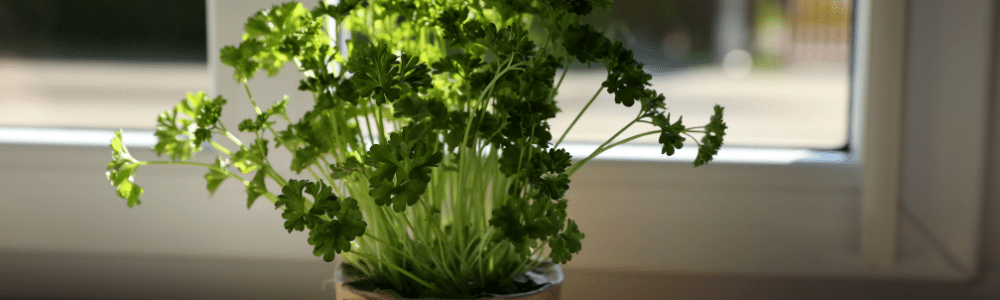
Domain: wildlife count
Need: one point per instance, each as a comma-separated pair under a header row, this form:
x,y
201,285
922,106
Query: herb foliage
x,y
434,169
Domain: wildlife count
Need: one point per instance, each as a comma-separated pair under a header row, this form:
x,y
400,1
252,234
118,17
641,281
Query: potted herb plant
x,y
434,170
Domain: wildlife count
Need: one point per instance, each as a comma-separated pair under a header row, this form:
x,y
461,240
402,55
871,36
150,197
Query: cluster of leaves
x,y
332,222
120,171
181,131
403,166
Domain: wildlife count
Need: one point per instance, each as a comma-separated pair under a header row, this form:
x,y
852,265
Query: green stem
x,y
379,123
692,138
523,267
269,195
255,107
601,149
555,90
400,270
220,148
228,134
368,123
578,115
189,163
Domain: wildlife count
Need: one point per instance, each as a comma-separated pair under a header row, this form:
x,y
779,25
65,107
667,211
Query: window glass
x,y
779,67
98,63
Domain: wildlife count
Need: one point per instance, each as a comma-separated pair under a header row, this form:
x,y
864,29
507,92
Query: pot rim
x,y
549,273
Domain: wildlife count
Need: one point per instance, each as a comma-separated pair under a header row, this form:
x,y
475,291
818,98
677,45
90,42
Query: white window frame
x,y
906,212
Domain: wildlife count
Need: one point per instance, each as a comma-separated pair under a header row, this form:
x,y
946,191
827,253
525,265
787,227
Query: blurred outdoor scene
x,y
98,63
779,67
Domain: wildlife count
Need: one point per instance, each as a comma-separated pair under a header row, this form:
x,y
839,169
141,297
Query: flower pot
x,y
548,275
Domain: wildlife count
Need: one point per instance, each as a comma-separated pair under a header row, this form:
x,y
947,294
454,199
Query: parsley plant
x,y
434,170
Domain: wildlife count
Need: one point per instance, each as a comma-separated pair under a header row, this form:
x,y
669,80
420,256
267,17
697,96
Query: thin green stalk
x,y
220,148
400,270
255,107
555,90
692,138
379,123
401,252
368,123
190,163
578,115
361,138
523,266
601,149
228,134
269,195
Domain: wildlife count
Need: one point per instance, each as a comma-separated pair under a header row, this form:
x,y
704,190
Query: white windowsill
x,y
639,152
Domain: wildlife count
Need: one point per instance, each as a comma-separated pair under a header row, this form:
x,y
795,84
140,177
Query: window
x,y
779,67
98,64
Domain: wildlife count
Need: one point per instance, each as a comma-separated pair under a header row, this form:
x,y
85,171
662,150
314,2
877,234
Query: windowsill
x,y
640,152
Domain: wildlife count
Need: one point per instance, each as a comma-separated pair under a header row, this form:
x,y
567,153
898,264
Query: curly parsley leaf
x,y
522,221
712,141
373,68
120,171
216,175
566,244
335,236
181,131
670,134
257,187
403,166
384,76
332,222
350,166
275,36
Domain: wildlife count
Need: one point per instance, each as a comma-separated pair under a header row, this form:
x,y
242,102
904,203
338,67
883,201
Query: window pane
x,y
779,67
98,63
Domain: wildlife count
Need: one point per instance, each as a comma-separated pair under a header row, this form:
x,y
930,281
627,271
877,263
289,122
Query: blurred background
x,y
780,67
71,72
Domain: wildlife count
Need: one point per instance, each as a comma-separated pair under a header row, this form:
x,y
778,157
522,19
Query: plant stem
x,y
228,134
247,88
578,115
555,90
692,138
400,270
220,148
269,195
601,149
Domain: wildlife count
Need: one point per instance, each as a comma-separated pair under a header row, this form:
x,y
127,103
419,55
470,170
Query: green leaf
x,y
328,236
304,157
336,12
216,175
251,158
335,236
566,244
350,166
403,166
670,134
257,186
373,68
275,36
712,141
120,171
181,131
294,205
